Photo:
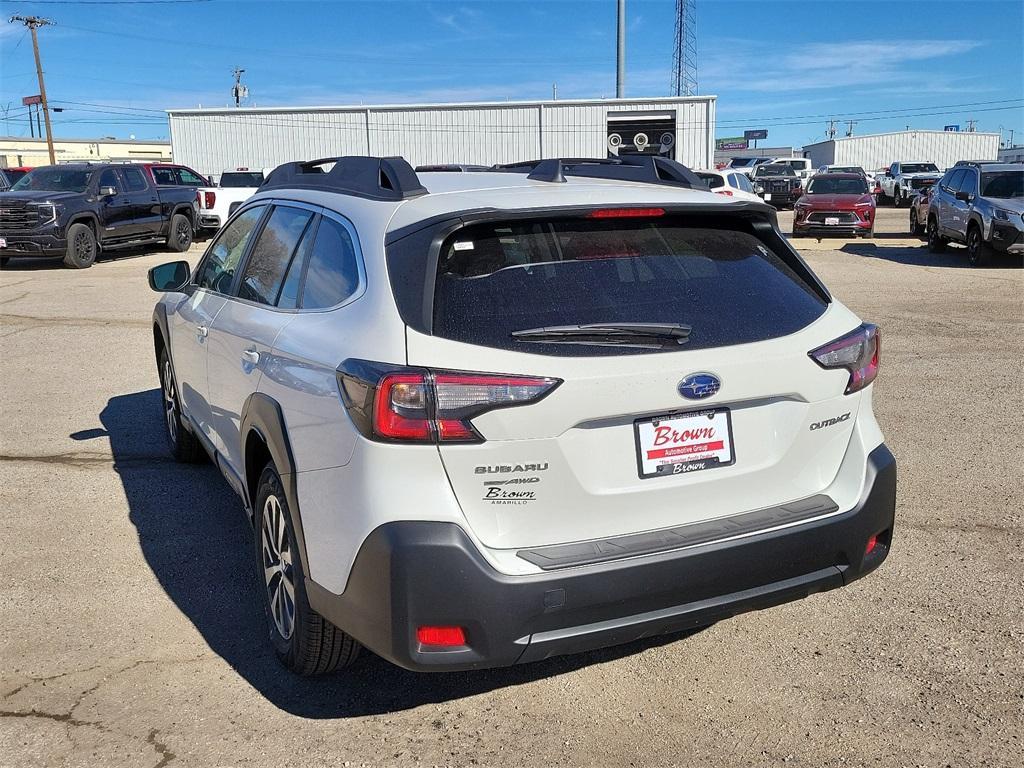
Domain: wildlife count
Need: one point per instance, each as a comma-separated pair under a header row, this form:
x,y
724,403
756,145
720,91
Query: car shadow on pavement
x,y
195,537
911,255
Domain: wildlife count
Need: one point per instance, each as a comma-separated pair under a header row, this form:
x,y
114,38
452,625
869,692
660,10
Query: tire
x,y
936,242
897,198
4,260
179,233
979,253
915,225
82,248
183,445
303,640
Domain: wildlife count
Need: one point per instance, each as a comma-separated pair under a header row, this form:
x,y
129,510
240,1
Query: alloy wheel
x,y
83,246
973,245
170,404
183,233
278,573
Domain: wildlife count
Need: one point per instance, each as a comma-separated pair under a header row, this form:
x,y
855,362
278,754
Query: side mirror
x,y
108,191
169,277
964,196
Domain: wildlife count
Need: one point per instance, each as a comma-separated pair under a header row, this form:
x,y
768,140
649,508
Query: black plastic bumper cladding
x,y
409,574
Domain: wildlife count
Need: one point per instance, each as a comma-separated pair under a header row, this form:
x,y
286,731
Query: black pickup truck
x,y
75,211
782,187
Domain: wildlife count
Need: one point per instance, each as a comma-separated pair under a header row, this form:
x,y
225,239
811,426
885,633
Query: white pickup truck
x,y
901,181
235,186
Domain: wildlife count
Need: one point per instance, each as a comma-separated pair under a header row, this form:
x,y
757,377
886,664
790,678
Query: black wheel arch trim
x,y
262,414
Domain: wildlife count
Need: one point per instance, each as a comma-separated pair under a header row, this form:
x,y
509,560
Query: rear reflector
x,y
441,636
625,213
872,543
857,352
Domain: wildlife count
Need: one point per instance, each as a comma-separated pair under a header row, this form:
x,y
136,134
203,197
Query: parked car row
x,y
76,211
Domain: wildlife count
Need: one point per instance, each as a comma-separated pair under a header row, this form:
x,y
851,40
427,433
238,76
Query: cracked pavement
x,y
133,635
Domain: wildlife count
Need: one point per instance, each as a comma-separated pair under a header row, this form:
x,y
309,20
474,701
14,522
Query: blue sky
x,y
786,66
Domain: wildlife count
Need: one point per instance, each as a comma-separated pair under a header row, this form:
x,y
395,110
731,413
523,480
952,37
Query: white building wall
x,y
211,140
875,151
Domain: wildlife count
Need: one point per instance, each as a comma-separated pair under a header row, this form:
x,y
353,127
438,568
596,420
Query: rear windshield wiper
x,y
647,335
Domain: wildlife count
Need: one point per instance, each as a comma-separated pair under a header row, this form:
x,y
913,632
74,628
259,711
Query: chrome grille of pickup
x,y
17,218
921,183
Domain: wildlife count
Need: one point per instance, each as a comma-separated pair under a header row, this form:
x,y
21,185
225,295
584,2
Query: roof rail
x,y
451,168
648,169
376,178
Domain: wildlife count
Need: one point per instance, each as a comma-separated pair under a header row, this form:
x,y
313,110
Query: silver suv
x,y
982,206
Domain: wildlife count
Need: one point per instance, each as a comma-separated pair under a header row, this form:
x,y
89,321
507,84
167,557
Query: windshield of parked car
x,y
774,170
14,176
846,169
742,162
53,179
919,168
823,185
713,180
241,179
1004,184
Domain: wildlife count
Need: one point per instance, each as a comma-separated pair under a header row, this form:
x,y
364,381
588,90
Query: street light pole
x,y
33,23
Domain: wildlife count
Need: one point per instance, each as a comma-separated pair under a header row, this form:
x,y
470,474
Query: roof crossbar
x,y
376,178
648,169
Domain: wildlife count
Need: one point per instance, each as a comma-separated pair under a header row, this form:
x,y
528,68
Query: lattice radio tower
x,y
684,57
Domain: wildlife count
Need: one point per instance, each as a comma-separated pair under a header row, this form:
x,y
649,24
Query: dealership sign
x,y
736,142
951,128
761,133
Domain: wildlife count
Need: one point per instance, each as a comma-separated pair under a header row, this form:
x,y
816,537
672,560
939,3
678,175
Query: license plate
x,y
684,442
832,220
3,242
767,195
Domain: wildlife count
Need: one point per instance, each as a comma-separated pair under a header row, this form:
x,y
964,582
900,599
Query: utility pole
x,y
849,127
620,52
970,125
239,91
831,132
33,23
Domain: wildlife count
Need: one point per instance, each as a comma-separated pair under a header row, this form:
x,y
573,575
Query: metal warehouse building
x,y
943,148
211,140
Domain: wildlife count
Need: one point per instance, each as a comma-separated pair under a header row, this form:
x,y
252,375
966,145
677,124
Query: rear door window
x,y
134,180
495,279
332,274
271,254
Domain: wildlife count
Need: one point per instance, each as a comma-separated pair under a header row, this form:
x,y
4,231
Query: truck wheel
x,y
82,248
979,253
936,242
183,444
179,237
303,640
897,198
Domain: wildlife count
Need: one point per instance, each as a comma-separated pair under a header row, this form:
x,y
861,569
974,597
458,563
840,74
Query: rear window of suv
x,y
497,278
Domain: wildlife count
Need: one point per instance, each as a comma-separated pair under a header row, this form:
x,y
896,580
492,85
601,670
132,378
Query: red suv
x,y
835,203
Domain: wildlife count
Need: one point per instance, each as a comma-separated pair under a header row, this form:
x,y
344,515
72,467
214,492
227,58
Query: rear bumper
x,y
409,574
46,243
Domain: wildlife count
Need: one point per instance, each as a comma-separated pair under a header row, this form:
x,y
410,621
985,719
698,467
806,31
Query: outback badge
x,y
697,386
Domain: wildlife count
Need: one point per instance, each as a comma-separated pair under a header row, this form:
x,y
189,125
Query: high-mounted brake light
x,y
423,406
857,352
625,213
441,636
727,192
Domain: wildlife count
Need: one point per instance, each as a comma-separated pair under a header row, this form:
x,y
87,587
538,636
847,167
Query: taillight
x,y
419,405
625,213
209,199
857,352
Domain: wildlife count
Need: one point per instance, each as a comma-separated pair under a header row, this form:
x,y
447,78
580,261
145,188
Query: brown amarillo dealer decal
x,y
510,490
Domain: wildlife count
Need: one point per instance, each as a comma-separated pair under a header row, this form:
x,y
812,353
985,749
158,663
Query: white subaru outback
x,y
485,418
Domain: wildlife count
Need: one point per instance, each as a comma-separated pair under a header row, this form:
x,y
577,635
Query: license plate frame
x,y
674,468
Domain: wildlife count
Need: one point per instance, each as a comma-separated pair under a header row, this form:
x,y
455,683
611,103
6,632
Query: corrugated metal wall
x,y
214,139
940,147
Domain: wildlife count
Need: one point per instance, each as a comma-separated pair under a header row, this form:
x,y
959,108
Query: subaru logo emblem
x,y
697,386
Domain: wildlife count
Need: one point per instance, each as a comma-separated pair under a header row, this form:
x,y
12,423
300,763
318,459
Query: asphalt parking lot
x,y
133,636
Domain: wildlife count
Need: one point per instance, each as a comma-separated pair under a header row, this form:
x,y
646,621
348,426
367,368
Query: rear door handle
x,y
250,356
202,331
